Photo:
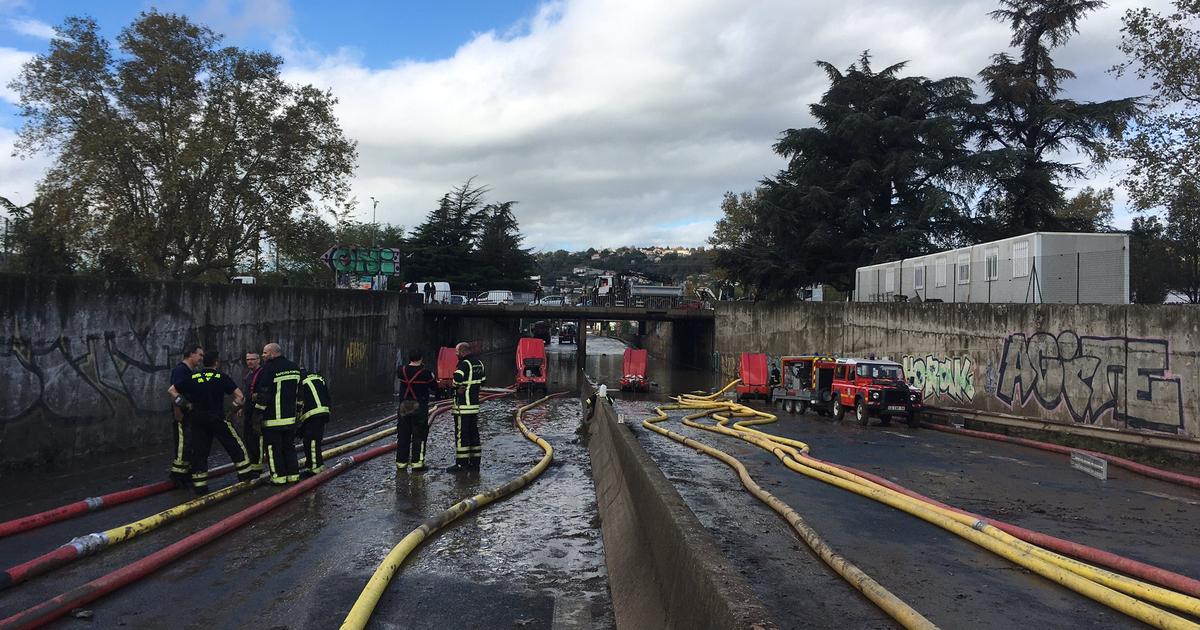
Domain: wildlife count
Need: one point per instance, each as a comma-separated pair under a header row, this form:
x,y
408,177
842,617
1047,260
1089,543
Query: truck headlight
x,y
874,395
912,397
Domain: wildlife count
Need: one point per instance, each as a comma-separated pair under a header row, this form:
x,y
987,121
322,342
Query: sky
x,y
611,122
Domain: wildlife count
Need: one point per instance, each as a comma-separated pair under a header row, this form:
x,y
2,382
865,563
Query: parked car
x,y
874,388
552,300
568,334
456,298
495,297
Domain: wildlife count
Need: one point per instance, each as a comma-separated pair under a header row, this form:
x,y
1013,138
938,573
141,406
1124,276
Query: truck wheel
x,y
860,413
801,406
839,412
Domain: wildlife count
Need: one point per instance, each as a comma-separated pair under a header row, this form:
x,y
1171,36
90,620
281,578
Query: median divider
x,y
664,569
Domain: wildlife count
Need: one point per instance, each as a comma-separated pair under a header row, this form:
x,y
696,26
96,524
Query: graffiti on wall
x,y
942,377
100,375
1125,376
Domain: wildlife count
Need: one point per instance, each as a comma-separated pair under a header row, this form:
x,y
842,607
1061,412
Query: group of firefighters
x,y
278,401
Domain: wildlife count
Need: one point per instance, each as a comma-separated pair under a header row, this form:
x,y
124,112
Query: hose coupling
x,y
90,544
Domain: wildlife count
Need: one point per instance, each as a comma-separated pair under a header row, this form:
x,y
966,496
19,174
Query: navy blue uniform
x,y
412,419
276,388
179,466
206,390
468,379
251,417
314,415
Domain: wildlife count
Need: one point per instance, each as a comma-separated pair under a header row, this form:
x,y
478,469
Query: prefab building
x,y
1035,268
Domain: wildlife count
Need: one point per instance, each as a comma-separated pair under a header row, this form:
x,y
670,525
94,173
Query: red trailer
x,y
531,363
753,372
447,362
634,371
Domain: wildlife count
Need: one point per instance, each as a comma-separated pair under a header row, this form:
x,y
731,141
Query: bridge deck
x,y
591,313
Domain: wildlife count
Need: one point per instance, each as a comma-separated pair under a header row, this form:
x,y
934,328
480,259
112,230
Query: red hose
x,y
95,504
1142,469
52,609
1150,573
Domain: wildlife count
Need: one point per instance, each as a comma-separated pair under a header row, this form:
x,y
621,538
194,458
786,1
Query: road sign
x,y
363,261
1090,464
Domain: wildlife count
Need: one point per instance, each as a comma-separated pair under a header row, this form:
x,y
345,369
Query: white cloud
x,y
619,122
31,27
11,61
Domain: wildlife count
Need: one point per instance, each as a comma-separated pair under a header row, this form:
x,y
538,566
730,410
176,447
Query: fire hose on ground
x,y
95,504
1116,591
360,613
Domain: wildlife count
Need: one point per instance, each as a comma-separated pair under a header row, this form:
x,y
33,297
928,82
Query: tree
x,y
38,239
1151,263
176,153
442,247
1090,210
880,177
1024,124
1183,240
499,256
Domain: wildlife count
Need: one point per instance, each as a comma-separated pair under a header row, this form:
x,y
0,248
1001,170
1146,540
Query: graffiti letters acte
x,y
1092,376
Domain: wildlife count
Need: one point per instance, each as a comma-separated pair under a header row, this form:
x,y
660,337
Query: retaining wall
x,y
84,362
1126,367
664,569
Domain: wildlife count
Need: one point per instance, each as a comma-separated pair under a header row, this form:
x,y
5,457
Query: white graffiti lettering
x,y
949,377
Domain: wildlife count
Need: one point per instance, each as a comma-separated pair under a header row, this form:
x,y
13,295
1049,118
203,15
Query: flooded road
x,y
529,561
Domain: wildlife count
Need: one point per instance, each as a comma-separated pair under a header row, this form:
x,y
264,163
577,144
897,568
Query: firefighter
x,y
204,393
276,388
468,378
180,465
314,415
251,414
412,419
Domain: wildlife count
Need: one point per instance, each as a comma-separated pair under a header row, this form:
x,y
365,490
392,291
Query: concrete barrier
x,y
664,570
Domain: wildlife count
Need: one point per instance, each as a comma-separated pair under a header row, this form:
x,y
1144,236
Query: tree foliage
x,y
875,179
174,155
1025,124
1090,210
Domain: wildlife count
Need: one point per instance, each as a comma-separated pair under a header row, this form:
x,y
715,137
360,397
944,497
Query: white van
x,y
495,297
441,293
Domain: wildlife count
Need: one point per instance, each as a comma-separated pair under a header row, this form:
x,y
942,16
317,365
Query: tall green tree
x,y
1090,210
1152,264
879,177
176,152
442,247
1026,123
500,257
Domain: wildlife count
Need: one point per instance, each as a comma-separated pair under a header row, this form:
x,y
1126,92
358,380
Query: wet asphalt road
x,y
533,560
952,582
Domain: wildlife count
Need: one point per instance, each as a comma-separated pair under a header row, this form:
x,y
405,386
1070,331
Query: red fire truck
x,y
806,382
874,388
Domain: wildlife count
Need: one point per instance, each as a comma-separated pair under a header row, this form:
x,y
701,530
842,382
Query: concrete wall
x,y
664,570
84,362
1125,367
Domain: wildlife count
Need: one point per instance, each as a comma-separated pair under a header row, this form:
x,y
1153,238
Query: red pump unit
x,y
633,370
447,362
531,363
753,372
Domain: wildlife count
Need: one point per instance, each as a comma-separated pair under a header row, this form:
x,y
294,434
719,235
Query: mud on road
x,y
952,582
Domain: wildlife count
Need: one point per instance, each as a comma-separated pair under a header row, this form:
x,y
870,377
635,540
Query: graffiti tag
x,y
949,377
1092,376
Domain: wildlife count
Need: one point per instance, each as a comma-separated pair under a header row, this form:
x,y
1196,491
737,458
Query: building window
x,y
1020,259
992,263
889,280
964,268
939,272
919,277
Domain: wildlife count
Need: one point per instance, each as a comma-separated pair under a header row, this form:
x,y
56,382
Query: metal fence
x,y
1100,277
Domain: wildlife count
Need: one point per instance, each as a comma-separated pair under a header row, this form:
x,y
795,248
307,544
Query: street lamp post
x,y
374,225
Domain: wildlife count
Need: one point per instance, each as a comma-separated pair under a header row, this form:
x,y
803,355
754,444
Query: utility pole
x,y
374,225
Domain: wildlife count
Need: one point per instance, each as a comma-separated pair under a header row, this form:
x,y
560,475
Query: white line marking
x,y
1016,461
1170,497
907,437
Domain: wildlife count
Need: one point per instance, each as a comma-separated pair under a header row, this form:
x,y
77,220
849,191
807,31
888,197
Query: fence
x,y
1100,277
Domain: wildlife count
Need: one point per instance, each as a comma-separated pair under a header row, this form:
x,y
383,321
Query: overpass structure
x,y
693,319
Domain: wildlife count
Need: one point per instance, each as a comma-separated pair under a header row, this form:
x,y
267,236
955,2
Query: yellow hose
x,y
360,613
1117,591
904,614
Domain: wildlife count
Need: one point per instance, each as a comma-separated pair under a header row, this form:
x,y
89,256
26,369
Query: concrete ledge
x,y
664,571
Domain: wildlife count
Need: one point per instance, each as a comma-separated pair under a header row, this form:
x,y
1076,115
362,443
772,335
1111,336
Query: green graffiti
x,y
369,261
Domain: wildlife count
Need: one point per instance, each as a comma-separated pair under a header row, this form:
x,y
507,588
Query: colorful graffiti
x,y
942,377
1092,376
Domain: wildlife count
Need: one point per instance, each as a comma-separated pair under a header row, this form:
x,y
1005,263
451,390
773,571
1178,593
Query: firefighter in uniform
x,y
412,419
314,415
181,464
204,393
276,388
468,378
251,414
